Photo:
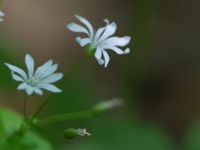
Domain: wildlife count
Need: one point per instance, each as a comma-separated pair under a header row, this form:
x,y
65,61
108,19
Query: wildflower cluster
x,y
36,79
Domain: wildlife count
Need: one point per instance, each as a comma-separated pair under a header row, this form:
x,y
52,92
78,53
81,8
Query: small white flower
x,y
100,40
34,81
1,16
83,132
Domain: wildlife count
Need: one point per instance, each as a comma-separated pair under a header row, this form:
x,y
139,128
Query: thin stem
x,y
41,107
67,117
67,76
25,103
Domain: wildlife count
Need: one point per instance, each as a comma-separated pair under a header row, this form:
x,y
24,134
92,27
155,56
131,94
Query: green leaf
x,y
10,123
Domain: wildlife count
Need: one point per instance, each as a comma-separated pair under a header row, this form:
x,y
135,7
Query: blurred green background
x,y
159,80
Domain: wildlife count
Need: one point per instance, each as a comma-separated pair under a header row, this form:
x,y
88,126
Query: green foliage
x,y
192,137
125,135
10,123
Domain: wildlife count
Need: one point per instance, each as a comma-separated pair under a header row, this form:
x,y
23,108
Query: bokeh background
x,y
159,80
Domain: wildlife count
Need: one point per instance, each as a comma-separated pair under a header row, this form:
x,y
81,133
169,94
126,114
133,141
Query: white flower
x,y
34,81
83,132
100,40
1,16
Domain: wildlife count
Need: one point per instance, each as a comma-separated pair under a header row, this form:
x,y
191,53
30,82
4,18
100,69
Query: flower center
x,y
33,81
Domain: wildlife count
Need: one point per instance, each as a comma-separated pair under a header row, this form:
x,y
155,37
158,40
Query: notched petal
x,y
52,78
87,24
17,70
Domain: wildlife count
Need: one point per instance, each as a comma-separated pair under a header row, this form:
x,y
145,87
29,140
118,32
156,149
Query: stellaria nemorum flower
x,y
100,41
42,78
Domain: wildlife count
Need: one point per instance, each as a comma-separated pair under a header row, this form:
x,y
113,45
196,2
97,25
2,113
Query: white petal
x,y
98,56
100,31
115,41
106,21
87,24
52,78
77,28
50,88
16,77
83,42
109,31
2,14
40,70
119,51
29,64
22,86
38,91
17,70
29,90
48,71
98,34
107,58
127,51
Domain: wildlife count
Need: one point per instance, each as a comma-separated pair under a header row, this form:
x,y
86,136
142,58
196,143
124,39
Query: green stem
x,y
25,103
41,107
67,76
67,117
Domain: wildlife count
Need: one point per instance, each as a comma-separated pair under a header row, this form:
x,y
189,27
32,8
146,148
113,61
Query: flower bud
x,y
72,133
103,107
